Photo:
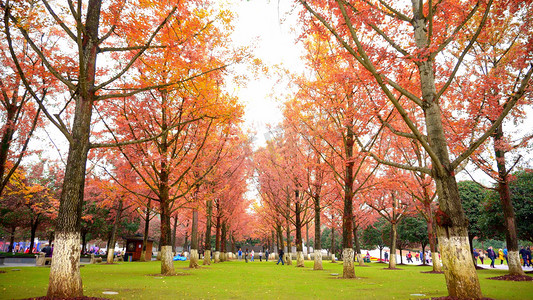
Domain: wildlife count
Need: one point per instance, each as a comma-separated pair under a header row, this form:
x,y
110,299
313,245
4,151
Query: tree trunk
x,y
513,258
34,225
392,256
307,238
348,270
7,137
298,240
217,233
207,244
452,230
332,250
65,278
83,241
431,238
167,264
146,230
223,241
112,240
360,259
193,262
288,258
318,245
12,239
174,232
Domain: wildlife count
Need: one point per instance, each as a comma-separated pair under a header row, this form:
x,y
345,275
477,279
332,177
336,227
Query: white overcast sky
x,y
267,25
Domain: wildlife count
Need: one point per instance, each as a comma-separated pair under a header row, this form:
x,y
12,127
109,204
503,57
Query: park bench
x,y
95,260
42,260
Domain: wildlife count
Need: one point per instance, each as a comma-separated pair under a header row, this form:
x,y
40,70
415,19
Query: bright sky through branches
x,y
267,25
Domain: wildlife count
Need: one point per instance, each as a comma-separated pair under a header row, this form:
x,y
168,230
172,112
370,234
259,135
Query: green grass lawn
x,y
257,280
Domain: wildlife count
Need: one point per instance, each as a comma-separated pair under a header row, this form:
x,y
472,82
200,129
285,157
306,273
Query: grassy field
x,y
257,280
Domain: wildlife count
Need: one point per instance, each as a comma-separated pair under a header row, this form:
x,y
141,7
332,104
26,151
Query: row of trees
x,y
137,91
396,100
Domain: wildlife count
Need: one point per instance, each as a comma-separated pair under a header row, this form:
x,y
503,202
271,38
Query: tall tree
x,y
375,33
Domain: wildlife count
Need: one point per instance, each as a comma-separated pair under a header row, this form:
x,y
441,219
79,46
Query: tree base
x,y
348,270
167,264
65,278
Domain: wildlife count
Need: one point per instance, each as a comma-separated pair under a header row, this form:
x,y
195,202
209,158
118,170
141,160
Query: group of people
x,y
502,254
250,255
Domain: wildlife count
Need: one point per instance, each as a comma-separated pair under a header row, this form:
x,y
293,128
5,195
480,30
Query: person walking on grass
x,y
252,254
492,256
280,253
260,255
240,253
500,256
476,256
266,254
481,255
409,257
246,255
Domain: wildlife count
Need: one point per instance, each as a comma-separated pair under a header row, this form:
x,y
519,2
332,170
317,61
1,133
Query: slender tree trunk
x,y
392,256
318,245
207,251
298,240
223,241
111,247
348,270
12,239
34,225
83,240
307,239
513,257
360,259
146,230
167,264
217,234
174,232
7,136
332,250
65,278
432,239
288,258
193,262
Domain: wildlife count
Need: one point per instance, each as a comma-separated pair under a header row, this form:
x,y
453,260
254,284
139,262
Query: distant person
x,y
260,255
240,253
409,257
246,255
492,256
266,255
47,250
386,255
417,255
280,253
481,255
505,253
500,256
528,256
252,254
476,256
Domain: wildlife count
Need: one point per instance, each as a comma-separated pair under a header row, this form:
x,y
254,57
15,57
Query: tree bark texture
x,y
193,261
298,240
146,229
348,270
392,256
507,206
207,251
452,230
65,278
357,246
318,246
112,240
